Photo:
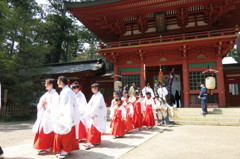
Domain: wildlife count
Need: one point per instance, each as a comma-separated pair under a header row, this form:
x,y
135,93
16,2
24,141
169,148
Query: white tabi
x,y
82,106
67,114
162,92
97,112
45,115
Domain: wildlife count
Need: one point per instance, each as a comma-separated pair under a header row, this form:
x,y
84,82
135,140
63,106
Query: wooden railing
x,y
170,38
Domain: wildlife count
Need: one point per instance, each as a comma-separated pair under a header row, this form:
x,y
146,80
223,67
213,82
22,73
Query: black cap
x,y
136,92
148,93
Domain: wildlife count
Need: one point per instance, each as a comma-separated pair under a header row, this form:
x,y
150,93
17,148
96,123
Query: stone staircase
x,y
216,116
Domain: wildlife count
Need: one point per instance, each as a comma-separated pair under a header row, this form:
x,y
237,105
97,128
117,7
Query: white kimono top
x,y
82,106
97,112
67,113
162,92
45,115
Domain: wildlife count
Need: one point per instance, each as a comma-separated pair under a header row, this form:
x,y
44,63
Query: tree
x,y
65,37
22,50
234,54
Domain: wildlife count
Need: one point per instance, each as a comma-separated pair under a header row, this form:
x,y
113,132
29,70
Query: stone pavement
x,y
109,148
191,142
170,142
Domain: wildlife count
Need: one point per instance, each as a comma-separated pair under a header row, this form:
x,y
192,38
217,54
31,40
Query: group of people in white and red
x,y
63,120
137,110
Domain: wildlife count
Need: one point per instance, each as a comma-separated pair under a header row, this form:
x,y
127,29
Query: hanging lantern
x,y
160,76
117,84
210,82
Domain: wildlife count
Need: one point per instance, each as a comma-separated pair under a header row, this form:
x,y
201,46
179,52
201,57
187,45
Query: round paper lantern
x,y
210,82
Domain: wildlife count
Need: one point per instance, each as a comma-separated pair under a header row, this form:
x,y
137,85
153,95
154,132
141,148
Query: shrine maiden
x,y
97,113
66,121
82,106
43,126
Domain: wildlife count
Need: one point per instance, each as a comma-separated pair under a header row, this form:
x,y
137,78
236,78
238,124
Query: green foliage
x,y
234,54
22,51
29,39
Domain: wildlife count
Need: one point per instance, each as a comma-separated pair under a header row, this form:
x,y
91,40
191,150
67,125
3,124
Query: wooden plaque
x,y
160,20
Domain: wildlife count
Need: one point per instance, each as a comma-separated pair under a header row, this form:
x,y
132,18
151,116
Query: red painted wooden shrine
x,y
188,35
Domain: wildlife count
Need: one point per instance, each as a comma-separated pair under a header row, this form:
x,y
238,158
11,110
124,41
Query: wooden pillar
x,y
142,81
186,101
221,84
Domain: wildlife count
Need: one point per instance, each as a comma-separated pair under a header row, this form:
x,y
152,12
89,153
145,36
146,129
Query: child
x,y
148,119
129,109
117,124
138,111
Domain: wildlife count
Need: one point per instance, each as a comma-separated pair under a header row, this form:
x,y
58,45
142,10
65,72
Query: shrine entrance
x,y
152,77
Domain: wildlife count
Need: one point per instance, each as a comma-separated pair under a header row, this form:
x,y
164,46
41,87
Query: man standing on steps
x,y
203,97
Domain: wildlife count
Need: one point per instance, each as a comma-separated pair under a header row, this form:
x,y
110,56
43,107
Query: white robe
x,y
67,113
162,92
147,89
97,112
149,101
123,111
157,104
130,106
45,115
82,106
113,104
140,100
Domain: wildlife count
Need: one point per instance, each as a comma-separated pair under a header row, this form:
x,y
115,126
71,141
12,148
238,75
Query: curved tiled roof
x,y
70,4
74,67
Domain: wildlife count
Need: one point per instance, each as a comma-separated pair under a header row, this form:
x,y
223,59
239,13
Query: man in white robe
x,y
162,92
97,113
43,126
148,89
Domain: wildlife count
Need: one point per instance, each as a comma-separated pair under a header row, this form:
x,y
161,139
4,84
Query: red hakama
x,y
43,141
93,135
118,126
148,119
137,116
128,121
66,142
82,131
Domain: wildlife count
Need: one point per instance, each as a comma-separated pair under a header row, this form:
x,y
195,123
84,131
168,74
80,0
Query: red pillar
x,y
116,67
185,84
221,84
142,81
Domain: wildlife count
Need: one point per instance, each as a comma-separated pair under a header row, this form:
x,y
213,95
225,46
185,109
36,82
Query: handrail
x,y
169,38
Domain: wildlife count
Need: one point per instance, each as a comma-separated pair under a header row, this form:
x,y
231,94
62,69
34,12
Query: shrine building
x,y
141,36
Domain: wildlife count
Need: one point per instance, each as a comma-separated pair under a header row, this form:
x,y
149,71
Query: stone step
x,y
208,119
216,123
213,110
208,116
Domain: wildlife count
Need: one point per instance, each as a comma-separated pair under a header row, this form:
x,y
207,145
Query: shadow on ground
x,y
13,126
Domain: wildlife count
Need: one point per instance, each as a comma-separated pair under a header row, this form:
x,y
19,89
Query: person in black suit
x,y
203,97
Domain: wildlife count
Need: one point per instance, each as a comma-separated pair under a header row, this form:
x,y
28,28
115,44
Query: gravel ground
x,y
16,133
